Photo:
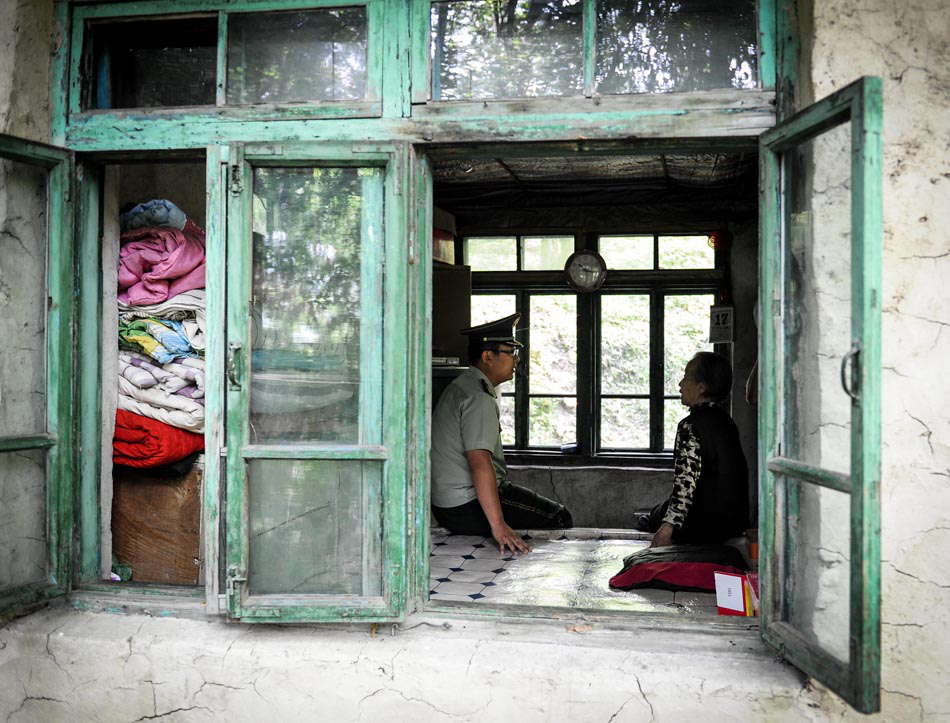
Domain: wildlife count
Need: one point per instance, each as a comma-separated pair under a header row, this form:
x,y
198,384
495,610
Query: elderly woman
x,y
710,498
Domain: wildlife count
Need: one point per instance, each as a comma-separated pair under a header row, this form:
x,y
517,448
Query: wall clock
x,y
585,270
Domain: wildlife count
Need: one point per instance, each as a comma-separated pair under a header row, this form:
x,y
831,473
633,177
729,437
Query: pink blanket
x,y
158,263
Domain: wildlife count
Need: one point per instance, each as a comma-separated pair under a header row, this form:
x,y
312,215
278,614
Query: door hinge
x,y
237,179
233,580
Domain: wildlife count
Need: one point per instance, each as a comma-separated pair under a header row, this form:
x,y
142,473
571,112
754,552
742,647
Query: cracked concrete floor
x,y
565,569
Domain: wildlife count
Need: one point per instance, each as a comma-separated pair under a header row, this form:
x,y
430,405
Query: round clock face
x,y
585,270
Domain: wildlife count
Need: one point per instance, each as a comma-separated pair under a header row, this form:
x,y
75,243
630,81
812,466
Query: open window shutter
x,y
819,420
35,373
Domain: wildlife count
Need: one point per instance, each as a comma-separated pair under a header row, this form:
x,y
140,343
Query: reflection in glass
x,y
686,252
683,45
297,56
817,570
506,407
627,252
152,63
510,49
818,284
23,297
625,344
306,303
492,253
546,252
315,527
685,332
488,307
23,541
553,352
625,423
552,421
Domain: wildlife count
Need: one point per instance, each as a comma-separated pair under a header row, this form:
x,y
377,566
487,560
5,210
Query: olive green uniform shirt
x,y
466,418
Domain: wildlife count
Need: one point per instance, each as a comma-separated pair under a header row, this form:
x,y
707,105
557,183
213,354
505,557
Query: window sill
x,y
538,458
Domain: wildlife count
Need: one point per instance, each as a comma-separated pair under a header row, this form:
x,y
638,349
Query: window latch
x,y
233,580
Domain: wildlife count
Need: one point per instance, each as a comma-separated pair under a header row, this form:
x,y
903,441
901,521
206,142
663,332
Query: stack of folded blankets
x,y
161,413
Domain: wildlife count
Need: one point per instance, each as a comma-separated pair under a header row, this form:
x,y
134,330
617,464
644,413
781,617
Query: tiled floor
x,y
565,569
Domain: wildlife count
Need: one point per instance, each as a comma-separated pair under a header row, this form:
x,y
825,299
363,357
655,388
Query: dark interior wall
x,y
182,183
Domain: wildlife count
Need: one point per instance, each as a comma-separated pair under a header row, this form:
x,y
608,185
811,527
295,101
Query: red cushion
x,y
143,442
691,576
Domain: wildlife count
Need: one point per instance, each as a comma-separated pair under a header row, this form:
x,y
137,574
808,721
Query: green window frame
x,y
57,441
370,106
382,427
655,283
857,679
422,71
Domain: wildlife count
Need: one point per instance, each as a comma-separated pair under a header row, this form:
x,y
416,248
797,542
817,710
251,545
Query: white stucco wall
x,y
906,43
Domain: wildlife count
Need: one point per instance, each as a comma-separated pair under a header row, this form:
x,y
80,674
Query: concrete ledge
x,y
61,664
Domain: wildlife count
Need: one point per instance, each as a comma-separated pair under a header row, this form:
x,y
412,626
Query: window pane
x,y
625,423
546,252
306,303
152,63
488,307
23,542
23,298
492,253
297,56
818,288
660,46
553,352
686,252
625,344
506,405
315,526
673,412
685,332
516,49
627,252
552,421
817,570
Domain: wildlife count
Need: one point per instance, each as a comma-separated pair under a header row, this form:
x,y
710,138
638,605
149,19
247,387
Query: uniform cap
x,y
499,331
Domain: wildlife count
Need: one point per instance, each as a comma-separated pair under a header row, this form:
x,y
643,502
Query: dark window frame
x,y
657,283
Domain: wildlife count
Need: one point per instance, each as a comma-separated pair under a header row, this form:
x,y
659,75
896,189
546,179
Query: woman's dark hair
x,y
715,372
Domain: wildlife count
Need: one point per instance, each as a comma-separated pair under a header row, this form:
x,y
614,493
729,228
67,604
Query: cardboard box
x,y
736,594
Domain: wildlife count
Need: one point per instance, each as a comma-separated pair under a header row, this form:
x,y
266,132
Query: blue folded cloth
x,y
157,212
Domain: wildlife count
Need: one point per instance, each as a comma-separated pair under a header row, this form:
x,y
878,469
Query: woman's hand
x,y
663,536
508,538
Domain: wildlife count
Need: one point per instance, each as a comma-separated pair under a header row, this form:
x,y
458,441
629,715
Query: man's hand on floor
x,y
508,538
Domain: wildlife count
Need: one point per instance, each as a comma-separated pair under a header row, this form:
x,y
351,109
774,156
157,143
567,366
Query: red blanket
x,y
143,442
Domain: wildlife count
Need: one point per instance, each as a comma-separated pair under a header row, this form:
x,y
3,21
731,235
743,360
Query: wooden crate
x,y
156,522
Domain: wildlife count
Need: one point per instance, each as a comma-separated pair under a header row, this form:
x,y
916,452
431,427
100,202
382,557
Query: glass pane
x,y
152,63
297,56
506,405
627,252
487,307
673,412
686,252
817,570
546,252
315,526
552,421
660,45
625,344
516,49
625,423
685,332
23,544
306,303
23,298
818,283
492,253
553,352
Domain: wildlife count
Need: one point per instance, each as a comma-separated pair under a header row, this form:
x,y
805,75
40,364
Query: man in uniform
x,y
471,494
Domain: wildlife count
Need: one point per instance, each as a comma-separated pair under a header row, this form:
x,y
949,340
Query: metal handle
x,y
855,349
233,348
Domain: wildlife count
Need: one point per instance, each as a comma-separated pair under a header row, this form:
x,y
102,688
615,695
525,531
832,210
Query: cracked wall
x,y
906,45
25,28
